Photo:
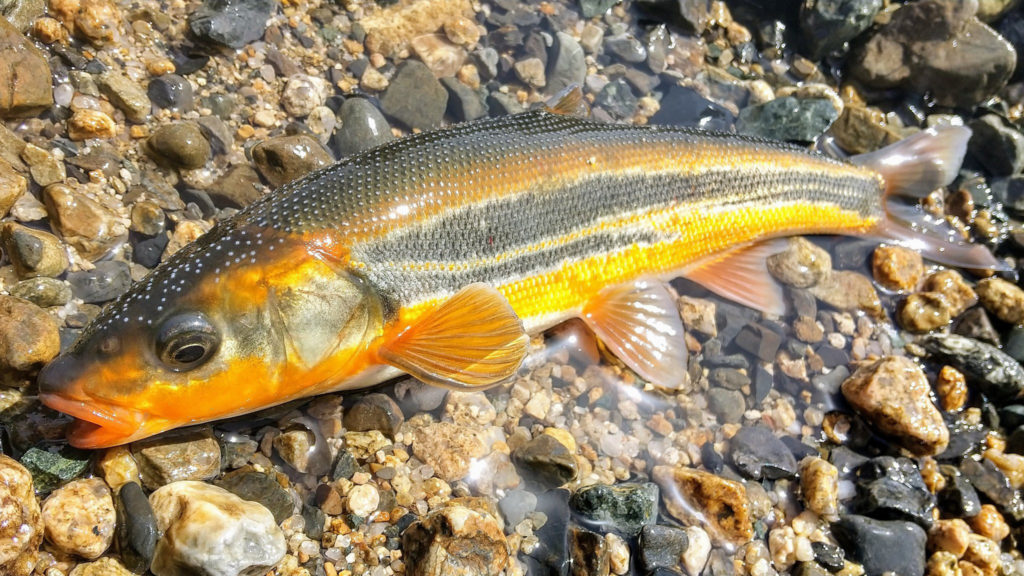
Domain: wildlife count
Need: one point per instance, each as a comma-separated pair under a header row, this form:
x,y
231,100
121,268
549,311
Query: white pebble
x,y
363,500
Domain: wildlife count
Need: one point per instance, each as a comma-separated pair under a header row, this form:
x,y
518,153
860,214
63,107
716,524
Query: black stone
x,y
846,460
545,461
137,532
763,384
622,508
975,323
251,484
711,459
1015,442
464,103
171,91
760,341
344,466
985,366
729,378
662,546
882,546
314,519
683,106
828,555
231,23
958,498
759,454
147,252
1012,416
832,356
553,536
892,489
106,281
989,480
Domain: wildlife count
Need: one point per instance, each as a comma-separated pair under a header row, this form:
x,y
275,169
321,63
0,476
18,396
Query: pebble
x,y
958,293
415,98
515,506
87,124
238,188
455,541
990,523
617,98
189,454
32,252
51,470
936,46
259,486
1002,298
882,546
172,92
147,218
26,88
546,461
727,405
892,489
106,566
231,23
374,412
448,449
441,56
21,524
897,268
828,25
759,454
88,226
624,508
990,481
43,292
697,552
949,535
695,497
363,500
626,47
975,324
996,145
894,395
303,93
12,186
29,337
848,291
788,118
79,518
210,531
179,145
588,553
819,486
125,94
285,158
108,280
362,127
531,72
566,64
662,547
924,311
951,389
464,103
990,369
44,166
958,497
801,265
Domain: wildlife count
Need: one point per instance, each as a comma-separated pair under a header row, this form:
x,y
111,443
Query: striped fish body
x,y
436,255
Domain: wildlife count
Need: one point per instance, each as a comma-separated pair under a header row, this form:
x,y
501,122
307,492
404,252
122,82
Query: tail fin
x,y
913,168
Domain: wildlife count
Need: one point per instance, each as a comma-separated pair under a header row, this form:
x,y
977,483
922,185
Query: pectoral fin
x,y
473,339
742,276
640,323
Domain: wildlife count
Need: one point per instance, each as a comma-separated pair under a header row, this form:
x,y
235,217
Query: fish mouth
x,y
97,424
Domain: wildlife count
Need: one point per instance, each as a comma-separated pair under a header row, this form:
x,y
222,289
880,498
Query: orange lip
x,y
97,425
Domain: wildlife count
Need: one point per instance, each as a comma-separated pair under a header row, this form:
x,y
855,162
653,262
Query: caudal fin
x,y
913,168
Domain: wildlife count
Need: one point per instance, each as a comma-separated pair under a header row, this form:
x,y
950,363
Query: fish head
x,y
199,340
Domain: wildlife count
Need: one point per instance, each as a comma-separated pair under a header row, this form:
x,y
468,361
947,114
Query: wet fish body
x,y
437,254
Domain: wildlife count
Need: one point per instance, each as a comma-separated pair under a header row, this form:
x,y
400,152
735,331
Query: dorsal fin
x,y
569,102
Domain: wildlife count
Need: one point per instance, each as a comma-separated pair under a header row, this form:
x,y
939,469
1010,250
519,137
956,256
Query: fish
x,y
440,254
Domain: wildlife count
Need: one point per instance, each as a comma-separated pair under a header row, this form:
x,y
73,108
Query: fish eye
x,y
186,341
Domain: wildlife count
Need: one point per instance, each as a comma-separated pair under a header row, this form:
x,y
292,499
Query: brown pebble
x,y
808,330
848,291
924,312
949,536
984,554
952,285
97,21
693,496
990,523
951,386
896,267
329,500
85,124
933,478
48,30
160,66
1002,298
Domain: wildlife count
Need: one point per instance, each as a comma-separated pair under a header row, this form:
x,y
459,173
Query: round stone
x,y
79,518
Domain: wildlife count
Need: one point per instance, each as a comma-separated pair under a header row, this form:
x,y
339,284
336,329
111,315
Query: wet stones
x,y
1002,298
303,93
43,292
21,525
882,546
819,486
12,186
997,146
897,268
50,470
695,497
894,395
263,487
374,412
362,127
179,145
29,337
171,91
231,23
448,448
190,454
662,547
788,118
566,65
25,85
106,281
624,508
801,265
137,531
415,97
455,541
546,461
32,252
285,158
79,518
90,227
924,312
759,454
848,291
588,552
893,489
829,24
126,95
211,531
987,367
88,124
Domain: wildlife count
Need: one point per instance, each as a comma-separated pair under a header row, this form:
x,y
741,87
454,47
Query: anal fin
x,y
473,339
741,275
640,323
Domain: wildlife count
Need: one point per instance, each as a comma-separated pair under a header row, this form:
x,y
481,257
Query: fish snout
x,y
57,377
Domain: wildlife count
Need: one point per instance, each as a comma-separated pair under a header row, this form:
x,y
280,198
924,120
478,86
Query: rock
x,y
79,518
285,158
32,252
12,186
802,265
362,127
848,291
374,412
25,85
531,72
137,532
1003,299
952,535
295,447
988,368
862,129
172,92
29,337
500,104
108,280
455,541
882,546
208,530
21,525
997,146
695,497
262,487
392,28
515,506
697,553
896,267
662,547
938,47
828,25
819,486
546,461
363,500
106,566
448,448
592,8
975,324
626,47
87,124
759,454
50,470
788,118
442,57
22,13
43,292
303,93
88,226
893,394
990,523
893,489
189,454
238,188
588,553
566,64
958,294
621,508
464,103
96,21
617,98
43,165
147,218
759,341
231,23
989,480
958,498
924,312
126,95
727,405
415,97
179,145
951,389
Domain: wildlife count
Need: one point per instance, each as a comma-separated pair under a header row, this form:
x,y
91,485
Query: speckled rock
x,y
21,525
391,29
12,186
546,461
990,369
698,498
415,97
448,448
79,518
588,553
231,23
819,486
662,546
374,412
997,145
25,85
958,293
90,227
22,13
788,118
848,291
179,145
362,500
96,21
209,531
362,127
303,93
126,95
52,469
1002,298
43,165
924,312
455,541
32,252
893,394
285,158
625,508
190,454
801,265
29,336
106,566
829,24
43,292
896,267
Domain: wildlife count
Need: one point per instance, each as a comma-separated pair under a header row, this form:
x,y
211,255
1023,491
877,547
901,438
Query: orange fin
x,y
920,163
640,323
473,339
741,275
569,102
